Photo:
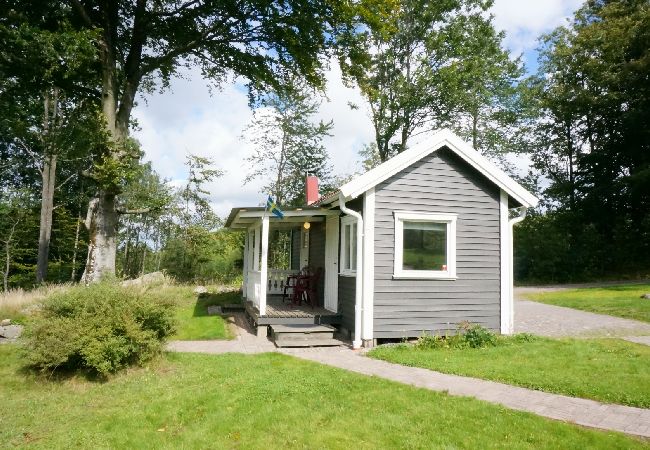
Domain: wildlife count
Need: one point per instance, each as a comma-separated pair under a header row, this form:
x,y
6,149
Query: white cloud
x,y
525,21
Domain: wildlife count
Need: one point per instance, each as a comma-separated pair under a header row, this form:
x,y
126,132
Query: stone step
x,y
312,342
303,335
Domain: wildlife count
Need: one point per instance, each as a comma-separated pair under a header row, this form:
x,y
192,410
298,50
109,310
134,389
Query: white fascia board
x,y
443,138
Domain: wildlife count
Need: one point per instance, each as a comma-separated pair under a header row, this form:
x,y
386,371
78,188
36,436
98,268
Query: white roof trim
x,y
442,138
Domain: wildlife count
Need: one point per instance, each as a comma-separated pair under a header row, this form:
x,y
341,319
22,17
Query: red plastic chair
x,y
307,288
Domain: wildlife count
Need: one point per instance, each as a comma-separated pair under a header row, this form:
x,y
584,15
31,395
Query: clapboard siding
x,y
347,290
439,183
317,254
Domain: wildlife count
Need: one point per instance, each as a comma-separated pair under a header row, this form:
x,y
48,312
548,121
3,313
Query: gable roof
x,y
443,138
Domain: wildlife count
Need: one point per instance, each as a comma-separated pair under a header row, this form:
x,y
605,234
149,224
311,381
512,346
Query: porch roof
x,y
244,217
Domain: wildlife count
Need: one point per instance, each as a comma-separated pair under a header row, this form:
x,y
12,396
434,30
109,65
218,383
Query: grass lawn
x,y
607,370
192,320
262,401
622,301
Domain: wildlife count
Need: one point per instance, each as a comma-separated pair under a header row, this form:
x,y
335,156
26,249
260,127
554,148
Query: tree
x,y
591,137
45,114
287,145
419,67
486,106
141,43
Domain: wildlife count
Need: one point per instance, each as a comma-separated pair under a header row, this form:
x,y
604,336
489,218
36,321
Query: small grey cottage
x,y
419,243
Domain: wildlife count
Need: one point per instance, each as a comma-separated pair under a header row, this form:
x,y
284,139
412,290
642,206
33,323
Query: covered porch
x,y
276,248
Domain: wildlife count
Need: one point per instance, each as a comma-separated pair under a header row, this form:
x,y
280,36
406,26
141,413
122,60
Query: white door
x,y
331,263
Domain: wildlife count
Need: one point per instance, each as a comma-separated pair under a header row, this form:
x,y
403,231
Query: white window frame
x,y
347,221
449,220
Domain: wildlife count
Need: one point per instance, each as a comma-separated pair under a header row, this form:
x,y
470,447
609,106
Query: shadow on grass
x,y
215,299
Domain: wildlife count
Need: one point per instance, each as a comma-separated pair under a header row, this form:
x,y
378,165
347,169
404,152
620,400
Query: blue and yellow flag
x,y
271,206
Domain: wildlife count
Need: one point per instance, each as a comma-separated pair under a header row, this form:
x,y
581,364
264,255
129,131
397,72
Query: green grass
x,y
262,401
607,370
622,301
192,320
194,323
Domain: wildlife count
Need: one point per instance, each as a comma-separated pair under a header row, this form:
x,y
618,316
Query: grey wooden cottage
x,y
419,243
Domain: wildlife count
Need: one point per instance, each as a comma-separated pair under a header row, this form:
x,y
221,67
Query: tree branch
x,y
81,9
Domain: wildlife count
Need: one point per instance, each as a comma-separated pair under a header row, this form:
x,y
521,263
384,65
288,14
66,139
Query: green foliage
x,y
288,145
203,256
435,64
100,329
592,143
467,336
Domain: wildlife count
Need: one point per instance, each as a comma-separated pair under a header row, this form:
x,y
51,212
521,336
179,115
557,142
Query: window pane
x,y
353,248
425,246
346,250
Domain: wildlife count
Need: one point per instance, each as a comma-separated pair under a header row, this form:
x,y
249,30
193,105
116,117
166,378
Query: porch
x,y
284,313
277,248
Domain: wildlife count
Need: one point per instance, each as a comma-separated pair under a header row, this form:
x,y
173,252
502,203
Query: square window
x,y
425,245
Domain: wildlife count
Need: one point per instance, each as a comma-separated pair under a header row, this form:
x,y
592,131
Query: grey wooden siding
x,y
439,183
347,290
317,254
347,284
295,249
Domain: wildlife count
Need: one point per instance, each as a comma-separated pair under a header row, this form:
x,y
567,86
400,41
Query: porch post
x,y
245,265
264,281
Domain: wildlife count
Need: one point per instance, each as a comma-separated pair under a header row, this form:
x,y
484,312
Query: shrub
x,y
477,336
99,329
467,335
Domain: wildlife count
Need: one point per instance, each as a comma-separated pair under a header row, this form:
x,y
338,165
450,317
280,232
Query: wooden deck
x,y
285,313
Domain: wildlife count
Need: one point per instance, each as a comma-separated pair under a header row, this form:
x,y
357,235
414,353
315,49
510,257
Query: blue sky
x,y
189,118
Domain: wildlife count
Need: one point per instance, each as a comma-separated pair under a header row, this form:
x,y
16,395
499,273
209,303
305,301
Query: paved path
x,y
589,413
558,321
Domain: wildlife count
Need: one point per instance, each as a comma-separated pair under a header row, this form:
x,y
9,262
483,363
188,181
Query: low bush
x,y
98,329
467,336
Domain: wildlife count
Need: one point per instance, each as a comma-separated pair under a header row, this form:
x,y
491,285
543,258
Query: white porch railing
x,y
277,279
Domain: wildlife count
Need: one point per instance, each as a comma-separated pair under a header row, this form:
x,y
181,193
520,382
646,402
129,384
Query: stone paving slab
x,y
645,340
558,321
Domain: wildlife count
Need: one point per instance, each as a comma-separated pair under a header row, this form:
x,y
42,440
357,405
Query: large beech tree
x,y
142,44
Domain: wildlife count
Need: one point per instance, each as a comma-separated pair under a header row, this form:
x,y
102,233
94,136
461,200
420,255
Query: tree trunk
x,y
5,273
76,248
101,222
48,175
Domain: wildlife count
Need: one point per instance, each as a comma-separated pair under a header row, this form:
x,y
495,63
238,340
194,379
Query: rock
x,y
646,296
200,290
5,322
11,332
214,310
148,278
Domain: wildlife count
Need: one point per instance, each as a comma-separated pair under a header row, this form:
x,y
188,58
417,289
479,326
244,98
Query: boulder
x,y
11,332
5,322
200,290
148,278
646,296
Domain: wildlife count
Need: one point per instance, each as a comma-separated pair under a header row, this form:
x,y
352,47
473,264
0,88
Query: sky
x,y
190,118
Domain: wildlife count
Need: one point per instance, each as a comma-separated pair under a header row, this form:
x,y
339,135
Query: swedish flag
x,y
271,206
